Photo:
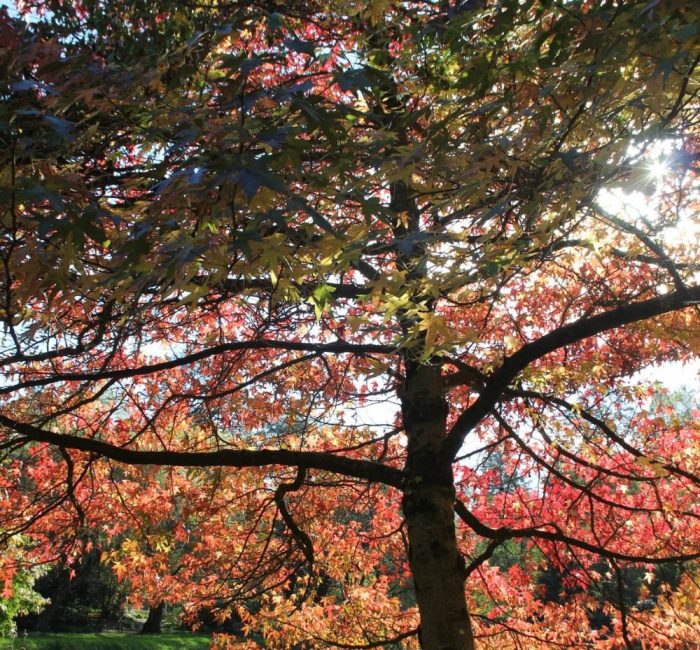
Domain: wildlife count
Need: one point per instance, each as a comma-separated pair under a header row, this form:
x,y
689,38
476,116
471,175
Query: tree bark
x,y
155,619
428,505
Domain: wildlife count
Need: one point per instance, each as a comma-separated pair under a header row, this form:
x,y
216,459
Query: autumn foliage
x,y
317,312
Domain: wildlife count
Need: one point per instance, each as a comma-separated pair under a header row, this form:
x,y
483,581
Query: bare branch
x,y
503,533
336,347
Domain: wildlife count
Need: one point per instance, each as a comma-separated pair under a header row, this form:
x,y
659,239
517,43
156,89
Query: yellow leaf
x,y
263,200
435,329
512,344
356,231
375,10
659,469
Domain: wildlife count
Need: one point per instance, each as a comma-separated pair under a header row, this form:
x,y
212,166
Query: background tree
x,y
83,596
18,597
230,231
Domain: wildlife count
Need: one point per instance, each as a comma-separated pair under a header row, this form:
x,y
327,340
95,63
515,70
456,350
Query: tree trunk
x,y
155,619
428,506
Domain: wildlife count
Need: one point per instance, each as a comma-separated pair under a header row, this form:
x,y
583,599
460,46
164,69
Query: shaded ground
x,y
109,641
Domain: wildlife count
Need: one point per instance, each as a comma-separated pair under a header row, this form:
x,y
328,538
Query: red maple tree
x,y
313,307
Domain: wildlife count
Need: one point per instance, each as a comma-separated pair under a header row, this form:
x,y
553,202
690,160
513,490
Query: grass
x,y
110,641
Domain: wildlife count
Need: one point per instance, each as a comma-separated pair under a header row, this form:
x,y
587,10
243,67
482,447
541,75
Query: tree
x,y
153,622
82,595
323,258
18,597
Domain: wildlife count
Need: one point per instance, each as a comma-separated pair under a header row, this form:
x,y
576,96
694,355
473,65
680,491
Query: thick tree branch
x,y
303,540
621,605
351,467
561,337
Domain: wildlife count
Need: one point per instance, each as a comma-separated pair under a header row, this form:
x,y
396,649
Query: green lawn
x,y
110,641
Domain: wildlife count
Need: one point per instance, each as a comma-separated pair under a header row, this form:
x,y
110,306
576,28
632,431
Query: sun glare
x,y
642,201
659,169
